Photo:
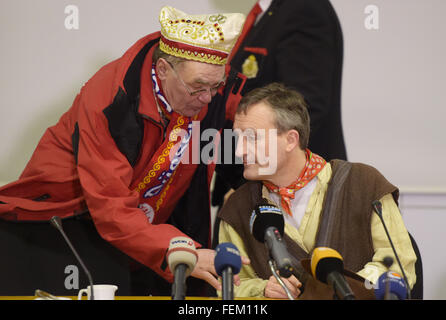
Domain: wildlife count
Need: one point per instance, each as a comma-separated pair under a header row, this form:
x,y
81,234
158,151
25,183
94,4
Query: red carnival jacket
x,y
93,158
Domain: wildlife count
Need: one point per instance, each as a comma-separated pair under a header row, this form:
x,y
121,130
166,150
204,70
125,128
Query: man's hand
x,y
274,290
205,270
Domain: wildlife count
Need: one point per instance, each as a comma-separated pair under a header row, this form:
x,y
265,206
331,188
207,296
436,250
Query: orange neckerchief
x,y
313,166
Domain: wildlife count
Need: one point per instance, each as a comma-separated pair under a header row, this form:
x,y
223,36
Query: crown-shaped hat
x,y
206,38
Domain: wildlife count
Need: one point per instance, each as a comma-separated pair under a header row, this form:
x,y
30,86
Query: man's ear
x,y
293,139
162,69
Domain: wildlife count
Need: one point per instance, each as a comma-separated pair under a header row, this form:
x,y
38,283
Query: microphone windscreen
x,y
182,250
397,286
264,216
324,261
227,255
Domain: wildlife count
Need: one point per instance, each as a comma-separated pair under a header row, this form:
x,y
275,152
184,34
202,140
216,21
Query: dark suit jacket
x,y
298,43
304,44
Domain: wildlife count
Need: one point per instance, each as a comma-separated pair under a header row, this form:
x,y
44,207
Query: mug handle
x,y
81,292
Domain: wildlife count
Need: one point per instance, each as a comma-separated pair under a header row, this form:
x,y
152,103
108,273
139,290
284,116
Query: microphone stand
x,y
388,261
179,284
56,222
377,207
228,284
279,280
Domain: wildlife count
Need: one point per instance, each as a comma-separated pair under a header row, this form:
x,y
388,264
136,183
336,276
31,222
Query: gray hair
x,y
289,107
174,61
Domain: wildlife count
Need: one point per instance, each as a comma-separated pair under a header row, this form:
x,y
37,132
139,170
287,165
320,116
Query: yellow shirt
x,y
305,236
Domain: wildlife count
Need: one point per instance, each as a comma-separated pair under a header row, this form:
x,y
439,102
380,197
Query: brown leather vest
x,y
345,223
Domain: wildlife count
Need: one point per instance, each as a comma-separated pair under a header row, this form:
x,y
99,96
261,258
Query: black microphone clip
x,y
378,207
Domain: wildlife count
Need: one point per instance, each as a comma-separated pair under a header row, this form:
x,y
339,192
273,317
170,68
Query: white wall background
x,y
392,101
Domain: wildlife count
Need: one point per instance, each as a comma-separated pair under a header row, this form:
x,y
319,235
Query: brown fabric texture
x,y
349,215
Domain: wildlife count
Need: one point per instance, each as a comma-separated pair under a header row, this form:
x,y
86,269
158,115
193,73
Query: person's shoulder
x,y
337,162
302,4
364,167
307,9
244,191
98,92
105,85
242,199
360,170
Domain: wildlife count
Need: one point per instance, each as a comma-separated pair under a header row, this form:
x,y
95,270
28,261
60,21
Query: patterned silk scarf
x,y
313,166
164,107
158,185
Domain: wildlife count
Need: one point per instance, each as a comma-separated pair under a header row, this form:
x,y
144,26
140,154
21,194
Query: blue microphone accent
x,y
227,255
397,286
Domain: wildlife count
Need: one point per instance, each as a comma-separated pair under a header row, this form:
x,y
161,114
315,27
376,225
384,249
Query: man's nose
x,y
206,96
240,149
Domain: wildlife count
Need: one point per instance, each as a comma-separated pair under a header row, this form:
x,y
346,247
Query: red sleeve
x,y
105,175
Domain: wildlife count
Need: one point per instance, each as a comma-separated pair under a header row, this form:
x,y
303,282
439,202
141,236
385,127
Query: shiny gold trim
x,y
207,58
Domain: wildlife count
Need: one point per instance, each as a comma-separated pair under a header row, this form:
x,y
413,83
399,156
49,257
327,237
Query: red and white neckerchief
x,y
313,166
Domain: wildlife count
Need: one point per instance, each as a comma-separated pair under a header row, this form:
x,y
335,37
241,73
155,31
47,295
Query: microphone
x,y
279,279
227,263
390,286
267,226
181,258
57,223
327,266
377,207
387,262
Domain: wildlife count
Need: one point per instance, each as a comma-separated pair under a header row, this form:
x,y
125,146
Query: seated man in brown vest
x,y
296,180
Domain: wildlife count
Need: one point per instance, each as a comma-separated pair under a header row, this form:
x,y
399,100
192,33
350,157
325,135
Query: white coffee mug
x,y
101,292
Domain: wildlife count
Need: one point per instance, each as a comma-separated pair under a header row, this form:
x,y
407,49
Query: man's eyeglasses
x,y
198,92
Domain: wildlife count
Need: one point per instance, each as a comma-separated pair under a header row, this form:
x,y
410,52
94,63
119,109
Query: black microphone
x,y
387,262
227,263
182,258
267,226
57,223
327,266
377,207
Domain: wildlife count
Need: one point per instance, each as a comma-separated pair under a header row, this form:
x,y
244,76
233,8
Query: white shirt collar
x,y
264,4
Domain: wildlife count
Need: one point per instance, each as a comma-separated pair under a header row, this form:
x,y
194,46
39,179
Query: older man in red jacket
x,y
119,152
